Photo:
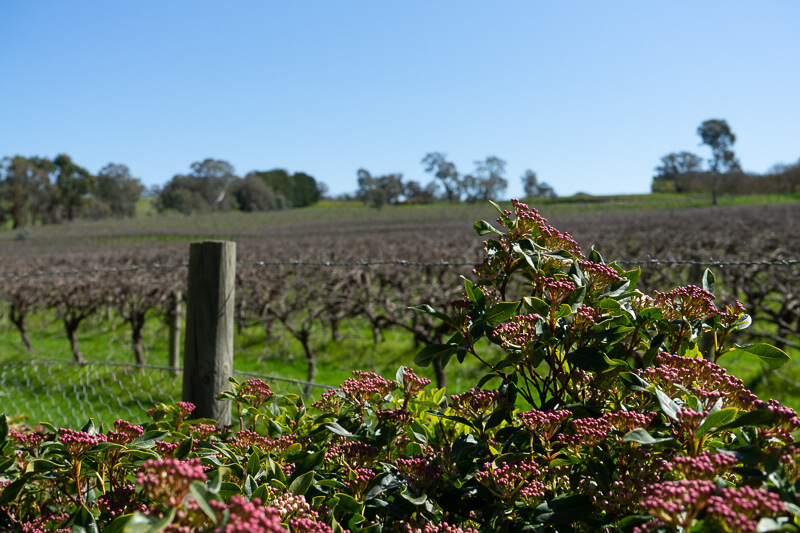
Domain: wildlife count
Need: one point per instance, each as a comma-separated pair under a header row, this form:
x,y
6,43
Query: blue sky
x,y
587,94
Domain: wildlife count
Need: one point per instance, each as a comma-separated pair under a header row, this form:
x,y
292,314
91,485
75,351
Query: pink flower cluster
x,y
740,508
585,317
556,290
510,480
704,379
599,276
420,472
518,332
203,431
124,432
706,466
554,240
528,219
360,479
476,403
688,302
247,516
437,528
543,424
352,453
29,441
587,432
119,501
256,391
676,503
168,480
361,388
625,421
413,383
77,443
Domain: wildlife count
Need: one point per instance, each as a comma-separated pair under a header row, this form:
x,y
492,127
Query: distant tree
x,y
204,189
534,189
718,136
488,182
73,182
445,171
184,194
118,190
253,194
380,190
299,189
23,181
415,193
215,176
674,169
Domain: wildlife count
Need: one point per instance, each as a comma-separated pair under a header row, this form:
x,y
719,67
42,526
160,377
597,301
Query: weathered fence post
x,y
175,315
208,348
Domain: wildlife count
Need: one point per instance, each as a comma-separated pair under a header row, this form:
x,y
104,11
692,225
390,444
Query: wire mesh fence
x,y
70,393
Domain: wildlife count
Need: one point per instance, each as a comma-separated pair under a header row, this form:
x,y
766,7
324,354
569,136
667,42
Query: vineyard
x,y
320,292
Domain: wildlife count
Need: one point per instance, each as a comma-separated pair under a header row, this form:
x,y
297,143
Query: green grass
x,y
76,393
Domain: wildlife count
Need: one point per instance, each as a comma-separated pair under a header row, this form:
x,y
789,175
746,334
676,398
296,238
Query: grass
x,y
105,393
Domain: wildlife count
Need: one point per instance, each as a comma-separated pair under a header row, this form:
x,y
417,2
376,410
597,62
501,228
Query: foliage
x,y
535,189
601,410
299,189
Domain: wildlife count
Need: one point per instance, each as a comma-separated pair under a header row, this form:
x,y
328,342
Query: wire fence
x,y
71,393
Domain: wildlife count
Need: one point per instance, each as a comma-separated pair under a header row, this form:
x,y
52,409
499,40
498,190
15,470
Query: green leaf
x,y
589,358
562,311
140,523
3,429
12,490
432,351
759,417
484,228
414,500
349,504
716,419
668,406
772,356
428,310
708,281
474,294
253,464
536,305
641,436
564,510
379,484
632,276
501,312
301,484
184,449
228,489
83,521
333,427
118,525
201,497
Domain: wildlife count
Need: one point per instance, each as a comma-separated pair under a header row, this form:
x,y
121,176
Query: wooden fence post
x,y
175,315
208,348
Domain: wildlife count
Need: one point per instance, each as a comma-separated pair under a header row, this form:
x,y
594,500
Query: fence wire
x,y
71,393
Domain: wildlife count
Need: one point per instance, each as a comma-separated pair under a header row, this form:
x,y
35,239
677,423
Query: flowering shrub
x,y
600,411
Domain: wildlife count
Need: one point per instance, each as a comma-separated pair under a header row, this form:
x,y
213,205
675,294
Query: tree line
x,y
486,182
39,190
212,185
683,171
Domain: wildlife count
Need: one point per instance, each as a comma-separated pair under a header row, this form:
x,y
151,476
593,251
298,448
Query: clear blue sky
x,y
588,94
